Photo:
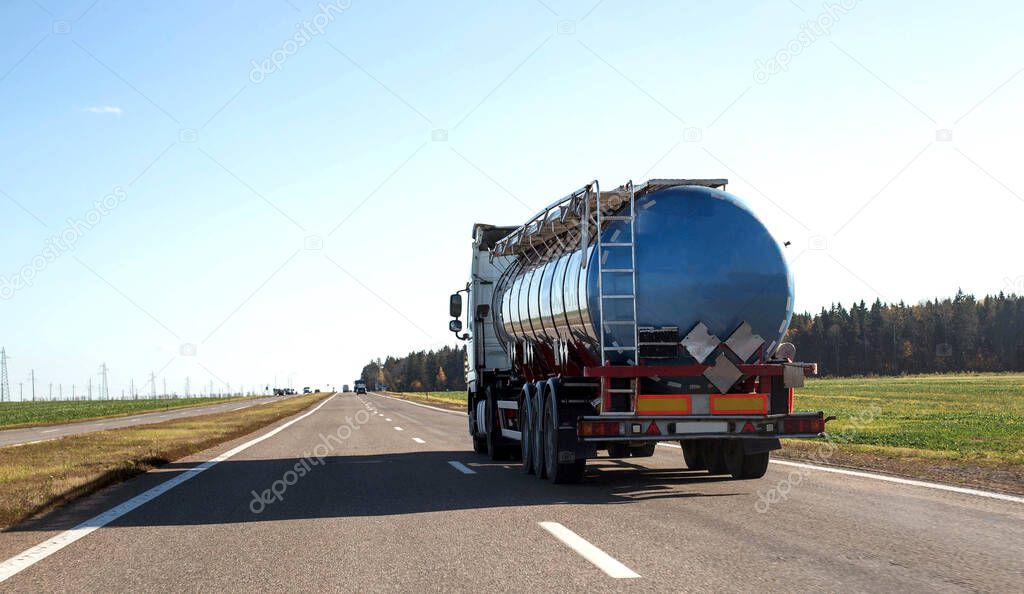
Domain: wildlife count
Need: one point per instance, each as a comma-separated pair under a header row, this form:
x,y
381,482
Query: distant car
x,y
360,387
306,390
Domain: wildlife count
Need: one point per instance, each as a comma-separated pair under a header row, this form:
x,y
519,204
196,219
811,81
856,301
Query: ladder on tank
x,y
616,289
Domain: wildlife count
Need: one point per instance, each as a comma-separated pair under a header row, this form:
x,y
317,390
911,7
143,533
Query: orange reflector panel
x,y
663,404
743,404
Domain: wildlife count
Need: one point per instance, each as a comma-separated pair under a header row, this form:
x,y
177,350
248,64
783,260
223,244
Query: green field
x,y
965,417
22,414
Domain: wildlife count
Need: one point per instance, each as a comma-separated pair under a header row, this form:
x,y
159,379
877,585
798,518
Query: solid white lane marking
x,y
903,481
601,559
444,410
418,440
31,556
399,429
461,467
890,479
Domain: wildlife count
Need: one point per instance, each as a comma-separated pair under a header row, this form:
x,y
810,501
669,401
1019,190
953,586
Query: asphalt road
x,y
392,507
10,437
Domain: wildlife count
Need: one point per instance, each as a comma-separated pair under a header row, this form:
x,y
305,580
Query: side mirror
x,y
455,326
455,305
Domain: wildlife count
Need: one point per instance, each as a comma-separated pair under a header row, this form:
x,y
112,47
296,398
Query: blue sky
x,y
298,225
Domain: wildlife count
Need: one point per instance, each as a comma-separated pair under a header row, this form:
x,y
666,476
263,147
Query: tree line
x,y
944,335
420,371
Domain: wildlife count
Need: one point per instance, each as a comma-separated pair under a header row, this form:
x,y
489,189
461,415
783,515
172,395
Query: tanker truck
x,y
614,320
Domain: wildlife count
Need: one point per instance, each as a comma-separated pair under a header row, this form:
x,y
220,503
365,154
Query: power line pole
x,y
104,387
89,397
32,375
165,387
21,391
152,385
50,397
134,395
5,386
186,386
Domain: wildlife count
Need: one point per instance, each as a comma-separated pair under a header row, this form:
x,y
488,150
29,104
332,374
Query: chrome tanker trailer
x,y
613,320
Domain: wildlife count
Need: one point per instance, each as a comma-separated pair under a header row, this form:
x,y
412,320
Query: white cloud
x,y
103,109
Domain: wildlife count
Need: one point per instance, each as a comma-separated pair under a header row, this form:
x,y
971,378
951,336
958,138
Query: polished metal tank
x,y
701,256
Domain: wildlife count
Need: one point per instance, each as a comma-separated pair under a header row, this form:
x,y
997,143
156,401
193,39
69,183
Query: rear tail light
x,y
813,425
600,428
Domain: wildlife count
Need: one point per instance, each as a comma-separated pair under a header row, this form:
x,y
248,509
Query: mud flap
x,y
759,446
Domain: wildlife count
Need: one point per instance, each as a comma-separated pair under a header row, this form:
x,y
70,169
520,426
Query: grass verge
x,y
15,415
954,428
449,400
36,478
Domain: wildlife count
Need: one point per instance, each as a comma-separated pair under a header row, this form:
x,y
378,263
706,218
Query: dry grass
x,y
36,478
450,400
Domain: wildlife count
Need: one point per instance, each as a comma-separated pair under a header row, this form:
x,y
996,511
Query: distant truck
x,y
613,320
307,390
344,388
360,387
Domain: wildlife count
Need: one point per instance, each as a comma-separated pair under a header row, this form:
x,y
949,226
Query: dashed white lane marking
x,y
461,467
31,556
891,479
399,429
387,419
418,440
49,430
601,559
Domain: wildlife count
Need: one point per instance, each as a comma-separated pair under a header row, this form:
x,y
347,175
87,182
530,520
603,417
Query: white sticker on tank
x,y
615,235
782,327
647,205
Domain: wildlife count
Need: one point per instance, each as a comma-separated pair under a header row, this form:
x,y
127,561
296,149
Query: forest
x,y
962,333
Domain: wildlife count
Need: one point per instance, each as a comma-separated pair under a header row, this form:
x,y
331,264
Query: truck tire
x,y
743,466
538,434
494,449
618,450
692,455
479,445
558,472
526,428
714,457
644,451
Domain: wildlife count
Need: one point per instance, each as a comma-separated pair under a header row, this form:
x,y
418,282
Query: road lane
x,y
10,437
384,513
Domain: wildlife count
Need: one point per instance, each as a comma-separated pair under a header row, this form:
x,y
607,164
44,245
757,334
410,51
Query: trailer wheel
x,y
713,455
558,472
526,427
743,466
537,436
692,455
